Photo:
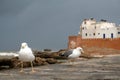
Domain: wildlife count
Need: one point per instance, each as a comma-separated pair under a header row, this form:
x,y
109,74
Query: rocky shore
x,y
49,57
94,64
105,68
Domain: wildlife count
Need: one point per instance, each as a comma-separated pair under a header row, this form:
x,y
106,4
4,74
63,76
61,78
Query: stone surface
x,y
105,68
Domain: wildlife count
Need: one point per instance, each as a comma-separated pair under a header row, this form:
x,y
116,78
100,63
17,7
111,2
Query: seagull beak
x,y
23,47
82,50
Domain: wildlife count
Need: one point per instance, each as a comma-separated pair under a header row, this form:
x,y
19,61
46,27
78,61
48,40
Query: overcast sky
x,y
48,23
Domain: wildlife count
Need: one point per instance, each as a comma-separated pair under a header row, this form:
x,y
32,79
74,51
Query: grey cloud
x,y
12,7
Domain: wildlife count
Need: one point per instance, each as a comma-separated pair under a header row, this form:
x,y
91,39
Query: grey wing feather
x,y
67,53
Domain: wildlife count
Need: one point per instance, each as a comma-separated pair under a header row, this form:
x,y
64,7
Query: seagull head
x,y
23,45
80,49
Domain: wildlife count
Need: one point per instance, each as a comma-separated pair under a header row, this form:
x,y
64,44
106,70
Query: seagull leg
x,y
21,67
71,61
32,67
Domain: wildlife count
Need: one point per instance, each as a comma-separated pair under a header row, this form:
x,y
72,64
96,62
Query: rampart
x,y
75,41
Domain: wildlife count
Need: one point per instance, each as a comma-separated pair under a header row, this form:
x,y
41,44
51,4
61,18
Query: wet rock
x,y
39,61
5,63
15,63
54,55
47,50
51,60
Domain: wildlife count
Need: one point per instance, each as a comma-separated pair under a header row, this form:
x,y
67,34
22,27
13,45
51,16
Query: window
x,y
86,34
95,27
98,33
83,28
104,36
93,34
118,32
112,35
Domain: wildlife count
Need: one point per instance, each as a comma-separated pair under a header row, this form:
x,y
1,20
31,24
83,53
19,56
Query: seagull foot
x,y
21,71
33,71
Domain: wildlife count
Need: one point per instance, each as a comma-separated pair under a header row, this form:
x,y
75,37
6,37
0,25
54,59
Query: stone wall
x,y
75,41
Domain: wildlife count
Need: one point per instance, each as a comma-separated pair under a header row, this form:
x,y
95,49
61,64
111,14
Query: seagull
x,y
73,53
26,55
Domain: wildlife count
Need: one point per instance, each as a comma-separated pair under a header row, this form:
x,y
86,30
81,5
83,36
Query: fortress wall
x,y
72,40
102,43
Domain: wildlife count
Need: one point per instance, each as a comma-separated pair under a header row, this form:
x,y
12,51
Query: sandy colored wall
x,y
103,43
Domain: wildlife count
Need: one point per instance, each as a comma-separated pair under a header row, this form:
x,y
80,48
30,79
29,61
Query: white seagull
x,y
26,55
73,53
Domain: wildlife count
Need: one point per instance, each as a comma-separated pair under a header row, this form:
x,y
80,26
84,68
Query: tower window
x,y
83,28
85,34
94,34
98,33
95,27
